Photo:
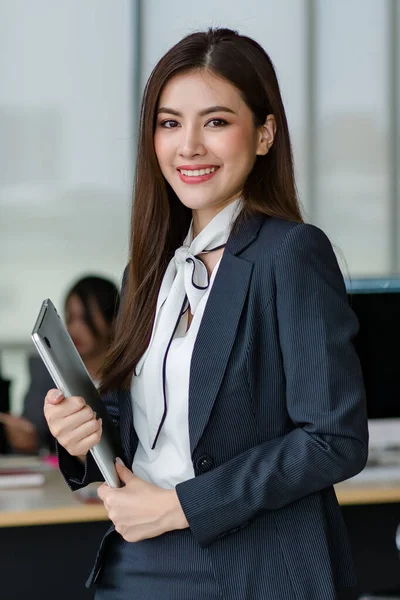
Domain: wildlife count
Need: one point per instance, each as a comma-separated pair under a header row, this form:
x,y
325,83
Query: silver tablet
x,y
70,375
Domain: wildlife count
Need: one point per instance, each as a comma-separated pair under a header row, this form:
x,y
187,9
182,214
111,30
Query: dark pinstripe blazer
x,y
277,415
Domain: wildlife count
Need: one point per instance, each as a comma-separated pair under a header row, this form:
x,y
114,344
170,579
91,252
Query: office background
x,y
72,73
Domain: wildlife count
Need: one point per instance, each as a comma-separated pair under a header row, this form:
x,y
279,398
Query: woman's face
x,y
86,343
205,140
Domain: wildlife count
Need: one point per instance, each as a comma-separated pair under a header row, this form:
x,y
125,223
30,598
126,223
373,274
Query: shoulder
x,y
305,257
294,251
284,233
281,239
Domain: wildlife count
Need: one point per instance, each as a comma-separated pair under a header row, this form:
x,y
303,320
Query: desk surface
x,y
50,503
368,492
55,503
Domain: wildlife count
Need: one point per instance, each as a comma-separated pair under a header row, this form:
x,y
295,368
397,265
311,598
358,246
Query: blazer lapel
x,y
215,340
128,435
219,326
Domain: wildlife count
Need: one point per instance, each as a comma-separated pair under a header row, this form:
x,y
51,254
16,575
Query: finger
x,y
20,425
54,397
123,472
68,407
17,424
83,447
25,425
22,440
102,491
6,419
76,419
78,435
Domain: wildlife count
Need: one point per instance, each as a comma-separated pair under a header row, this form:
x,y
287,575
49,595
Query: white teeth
x,y
198,172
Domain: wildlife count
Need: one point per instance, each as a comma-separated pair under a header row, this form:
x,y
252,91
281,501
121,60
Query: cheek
x,y
85,335
237,149
163,148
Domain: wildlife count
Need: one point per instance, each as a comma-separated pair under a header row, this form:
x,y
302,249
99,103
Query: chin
x,y
83,352
198,200
195,205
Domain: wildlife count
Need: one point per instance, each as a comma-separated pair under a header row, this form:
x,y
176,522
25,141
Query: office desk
x,y
371,510
48,539
53,503
351,494
47,532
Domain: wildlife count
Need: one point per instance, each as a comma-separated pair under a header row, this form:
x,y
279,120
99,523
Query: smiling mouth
x,y
197,175
197,172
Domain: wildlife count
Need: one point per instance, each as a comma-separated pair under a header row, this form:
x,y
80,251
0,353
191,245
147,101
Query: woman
x,y
90,307
232,376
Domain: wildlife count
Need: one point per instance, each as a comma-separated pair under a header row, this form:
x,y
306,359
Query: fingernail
x,y
119,461
57,394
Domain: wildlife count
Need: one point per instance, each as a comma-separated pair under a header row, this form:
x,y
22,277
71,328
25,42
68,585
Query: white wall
x,y
66,167
65,149
353,131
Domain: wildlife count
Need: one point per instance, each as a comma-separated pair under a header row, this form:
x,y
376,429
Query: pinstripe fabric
x,y
276,416
129,570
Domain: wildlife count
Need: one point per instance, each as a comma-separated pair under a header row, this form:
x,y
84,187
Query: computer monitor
x,y
376,303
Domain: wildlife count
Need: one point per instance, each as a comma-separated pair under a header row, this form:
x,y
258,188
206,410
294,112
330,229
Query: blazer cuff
x,y
207,521
76,474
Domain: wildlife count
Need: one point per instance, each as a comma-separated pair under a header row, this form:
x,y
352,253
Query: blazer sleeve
x,y
324,393
77,474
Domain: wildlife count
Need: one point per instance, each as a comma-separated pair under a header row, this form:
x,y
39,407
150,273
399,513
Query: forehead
x,y
198,90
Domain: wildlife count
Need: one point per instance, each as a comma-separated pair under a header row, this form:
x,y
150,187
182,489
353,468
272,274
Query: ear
x,y
266,135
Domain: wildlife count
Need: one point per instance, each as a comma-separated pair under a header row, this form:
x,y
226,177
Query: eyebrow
x,y
202,113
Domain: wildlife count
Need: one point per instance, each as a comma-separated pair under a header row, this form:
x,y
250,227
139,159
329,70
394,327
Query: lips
x,y
196,173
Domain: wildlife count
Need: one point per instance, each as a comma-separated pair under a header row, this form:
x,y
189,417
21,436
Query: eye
x,y
217,123
169,124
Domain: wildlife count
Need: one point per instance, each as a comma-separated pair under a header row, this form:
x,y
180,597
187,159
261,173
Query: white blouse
x,y
170,462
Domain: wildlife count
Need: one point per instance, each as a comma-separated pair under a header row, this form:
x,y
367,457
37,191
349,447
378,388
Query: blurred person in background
x,y
90,307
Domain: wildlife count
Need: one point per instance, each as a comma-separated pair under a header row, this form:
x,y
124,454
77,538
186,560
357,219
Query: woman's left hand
x,y
141,510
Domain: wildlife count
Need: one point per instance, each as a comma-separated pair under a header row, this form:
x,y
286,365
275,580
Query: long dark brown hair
x,y
159,220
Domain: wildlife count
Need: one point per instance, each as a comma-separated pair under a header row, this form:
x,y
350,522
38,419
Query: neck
x,y
202,217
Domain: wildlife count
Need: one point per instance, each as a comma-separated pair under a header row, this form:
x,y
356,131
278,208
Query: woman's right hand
x,y
72,422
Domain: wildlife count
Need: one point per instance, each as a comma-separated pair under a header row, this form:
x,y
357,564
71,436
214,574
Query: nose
x,y
191,143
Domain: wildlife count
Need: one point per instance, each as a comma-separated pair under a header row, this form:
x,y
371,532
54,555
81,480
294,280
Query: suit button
x,y
204,463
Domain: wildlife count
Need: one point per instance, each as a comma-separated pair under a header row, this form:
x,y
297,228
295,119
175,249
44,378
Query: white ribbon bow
x,y
185,282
